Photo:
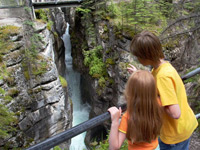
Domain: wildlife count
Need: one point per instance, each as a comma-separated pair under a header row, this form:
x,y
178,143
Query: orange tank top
x,y
136,146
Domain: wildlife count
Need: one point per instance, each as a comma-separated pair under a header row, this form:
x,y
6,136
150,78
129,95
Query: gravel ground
x,y
195,141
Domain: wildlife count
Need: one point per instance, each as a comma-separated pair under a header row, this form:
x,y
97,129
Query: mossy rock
x,y
102,82
171,44
5,42
9,30
13,92
110,61
7,99
63,81
40,66
26,75
10,81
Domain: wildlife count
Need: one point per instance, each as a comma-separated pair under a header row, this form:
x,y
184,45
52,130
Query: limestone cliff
x,y
37,98
103,89
96,39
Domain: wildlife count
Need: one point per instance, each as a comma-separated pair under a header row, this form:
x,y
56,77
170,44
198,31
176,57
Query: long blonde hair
x,y
144,111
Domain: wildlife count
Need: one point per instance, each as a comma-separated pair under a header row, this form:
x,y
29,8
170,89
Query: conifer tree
x,y
6,118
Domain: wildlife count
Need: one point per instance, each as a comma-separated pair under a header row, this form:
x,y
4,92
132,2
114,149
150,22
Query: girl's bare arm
x,y
116,138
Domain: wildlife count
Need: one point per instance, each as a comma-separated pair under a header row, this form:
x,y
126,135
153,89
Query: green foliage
x,y
6,96
36,38
57,148
7,99
192,79
93,59
2,91
198,128
86,15
82,10
43,16
28,9
6,120
102,82
9,30
49,25
63,81
13,92
104,145
97,67
166,8
112,10
191,7
137,15
5,42
171,44
110,61
30,23
10,80
33,61
3,71
40,67
26,75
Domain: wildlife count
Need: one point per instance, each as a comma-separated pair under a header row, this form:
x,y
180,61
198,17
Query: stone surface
x,y
42,103
117,48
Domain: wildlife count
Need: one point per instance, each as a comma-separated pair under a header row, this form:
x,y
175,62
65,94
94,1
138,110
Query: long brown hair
x,y
144,111
146,45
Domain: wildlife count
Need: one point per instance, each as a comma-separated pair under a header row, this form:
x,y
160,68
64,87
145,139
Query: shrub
x,y
93,60
104,145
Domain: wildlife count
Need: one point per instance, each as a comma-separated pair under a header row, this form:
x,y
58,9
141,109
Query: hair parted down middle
x,y
144,111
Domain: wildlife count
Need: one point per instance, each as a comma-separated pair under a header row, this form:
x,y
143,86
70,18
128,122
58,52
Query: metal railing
x,y
38,4
191,74
68,134
55,3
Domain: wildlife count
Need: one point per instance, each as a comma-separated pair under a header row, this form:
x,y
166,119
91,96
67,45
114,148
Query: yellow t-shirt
x,y
172,91
136,146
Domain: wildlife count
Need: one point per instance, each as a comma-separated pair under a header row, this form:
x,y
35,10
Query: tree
x,y
6,120
186,21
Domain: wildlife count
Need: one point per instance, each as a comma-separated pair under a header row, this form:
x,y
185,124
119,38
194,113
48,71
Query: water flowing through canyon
x,y
80,110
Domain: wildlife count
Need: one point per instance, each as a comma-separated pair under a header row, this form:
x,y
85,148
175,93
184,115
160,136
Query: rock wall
x,y
41,104
59,26
87,34
92,30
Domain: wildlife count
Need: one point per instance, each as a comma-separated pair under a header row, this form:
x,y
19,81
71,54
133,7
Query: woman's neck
x,y
155,65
